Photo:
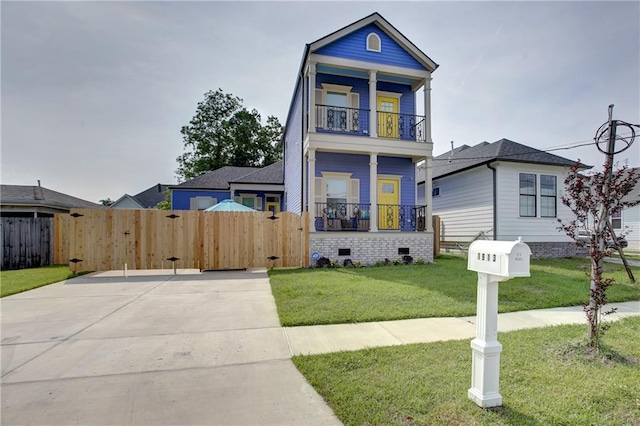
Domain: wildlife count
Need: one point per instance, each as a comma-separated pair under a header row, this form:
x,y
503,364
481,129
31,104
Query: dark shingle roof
x,y
152,196
467,157
217,179
27,195
271,174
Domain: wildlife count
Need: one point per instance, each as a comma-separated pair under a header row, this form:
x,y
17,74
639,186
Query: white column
x,y
306,105
485,364
311,184
427,110
373,191
373,125
428,194
312,97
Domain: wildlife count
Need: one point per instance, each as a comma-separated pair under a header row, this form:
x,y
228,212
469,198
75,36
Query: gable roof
x,y
271,174
223,177
374,18
152,196
384,25
467,157
30,195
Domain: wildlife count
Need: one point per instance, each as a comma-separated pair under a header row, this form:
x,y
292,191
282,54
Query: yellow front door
x,y
388,204
273,207
387,117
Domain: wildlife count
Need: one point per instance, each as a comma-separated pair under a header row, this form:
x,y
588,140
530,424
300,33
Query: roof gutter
x,y
495,200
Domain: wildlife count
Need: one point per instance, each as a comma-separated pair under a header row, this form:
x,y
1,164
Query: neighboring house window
x,y
616,220
435,192
201,203
547,196
527,195
373,42
250,200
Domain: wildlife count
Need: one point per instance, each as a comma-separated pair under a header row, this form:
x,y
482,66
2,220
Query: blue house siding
x,y
354,46
181,198
293,157
407,101
358,85
358,165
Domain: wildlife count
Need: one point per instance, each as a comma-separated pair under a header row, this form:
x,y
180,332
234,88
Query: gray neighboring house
x,y
38,201
627,221
261,188
147,199
501,191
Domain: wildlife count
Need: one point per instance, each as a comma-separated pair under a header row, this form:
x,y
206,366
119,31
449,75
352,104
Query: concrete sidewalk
x,y
318,339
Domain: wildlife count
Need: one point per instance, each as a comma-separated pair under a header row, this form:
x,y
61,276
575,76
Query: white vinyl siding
x,y
631,226
465,204
532,229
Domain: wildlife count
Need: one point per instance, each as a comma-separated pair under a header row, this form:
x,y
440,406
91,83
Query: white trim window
x,y
338,194
531,195
202,202
249,200
374,44
616,219
336,105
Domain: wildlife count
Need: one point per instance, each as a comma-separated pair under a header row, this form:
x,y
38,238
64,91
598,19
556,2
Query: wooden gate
x,y
94,240
26,242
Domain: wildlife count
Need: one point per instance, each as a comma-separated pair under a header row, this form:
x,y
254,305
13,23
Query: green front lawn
x,y
12,282
443,289
546,378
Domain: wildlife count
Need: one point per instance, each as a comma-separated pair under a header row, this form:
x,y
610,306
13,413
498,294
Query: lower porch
x,y
357,217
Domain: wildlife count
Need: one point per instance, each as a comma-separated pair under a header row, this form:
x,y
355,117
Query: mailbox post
x,y
495,261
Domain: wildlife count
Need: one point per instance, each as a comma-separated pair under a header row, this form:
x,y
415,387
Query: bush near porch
x,y
442,289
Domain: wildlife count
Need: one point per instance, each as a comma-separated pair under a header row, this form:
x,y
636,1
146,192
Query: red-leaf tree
x,y
592,199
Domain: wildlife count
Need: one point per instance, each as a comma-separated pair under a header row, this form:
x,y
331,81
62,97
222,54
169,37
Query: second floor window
x,y
544,194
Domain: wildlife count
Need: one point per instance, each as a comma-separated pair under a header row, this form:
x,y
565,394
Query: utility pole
x,y
608,175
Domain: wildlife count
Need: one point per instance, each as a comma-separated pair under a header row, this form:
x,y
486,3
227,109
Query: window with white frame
x,y
373,42
201,203
336,108
616,220
337,195
531,195
527,195
250,200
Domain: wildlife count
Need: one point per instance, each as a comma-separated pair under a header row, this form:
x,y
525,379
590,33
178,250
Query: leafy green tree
x,y
107,202
166,203
224,133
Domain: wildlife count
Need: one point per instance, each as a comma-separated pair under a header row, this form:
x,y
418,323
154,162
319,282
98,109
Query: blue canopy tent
x,y
229,205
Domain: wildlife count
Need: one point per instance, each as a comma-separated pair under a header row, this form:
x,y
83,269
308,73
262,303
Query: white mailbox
x,y
507,259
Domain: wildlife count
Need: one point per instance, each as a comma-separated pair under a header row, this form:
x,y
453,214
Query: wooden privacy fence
x,y
98,240
27,242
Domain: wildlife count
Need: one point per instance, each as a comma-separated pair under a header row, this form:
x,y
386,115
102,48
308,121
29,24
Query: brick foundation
x,y
547,250
371,247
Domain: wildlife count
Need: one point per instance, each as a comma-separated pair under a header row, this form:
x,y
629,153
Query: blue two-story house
x,y
358,124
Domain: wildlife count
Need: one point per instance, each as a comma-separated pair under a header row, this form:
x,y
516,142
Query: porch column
x,y
427,110
373,126
428,194
311,185
373,191
306,110
312,97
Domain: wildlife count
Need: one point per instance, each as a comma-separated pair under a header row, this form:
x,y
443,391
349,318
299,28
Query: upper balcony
x,y
356,122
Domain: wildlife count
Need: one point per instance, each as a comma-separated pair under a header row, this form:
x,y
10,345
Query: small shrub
x,y
420,261
348,263
357,264
334,264
407,260
387,262
323,262
379,263
397,262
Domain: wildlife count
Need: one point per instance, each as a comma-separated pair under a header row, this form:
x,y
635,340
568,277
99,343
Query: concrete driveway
x,y
152,348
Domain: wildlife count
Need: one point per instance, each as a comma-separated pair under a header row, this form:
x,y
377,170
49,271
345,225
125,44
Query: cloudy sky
x,y
94,94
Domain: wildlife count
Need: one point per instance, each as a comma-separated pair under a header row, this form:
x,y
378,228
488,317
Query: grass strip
x,y
442,289
547,377
12,282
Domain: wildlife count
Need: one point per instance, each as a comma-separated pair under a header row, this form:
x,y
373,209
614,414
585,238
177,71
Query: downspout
x,y
495,200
